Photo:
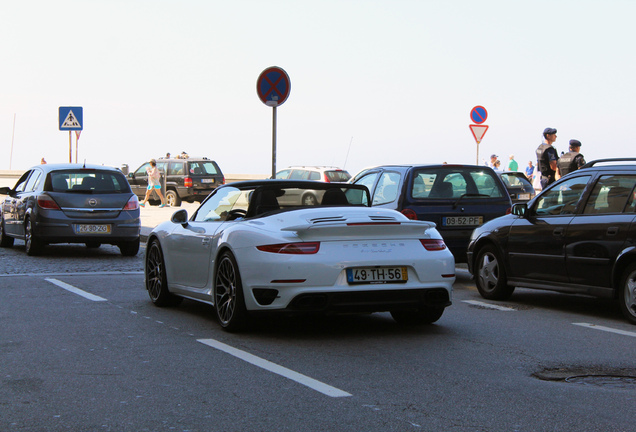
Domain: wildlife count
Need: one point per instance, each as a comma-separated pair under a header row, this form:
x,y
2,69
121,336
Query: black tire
x,y
156,279
309,200
229,302
490,275
627,293
129,248
32,244
93,245
5,240
427,315
172,198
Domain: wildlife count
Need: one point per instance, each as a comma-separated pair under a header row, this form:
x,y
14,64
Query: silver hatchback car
x,y
70,203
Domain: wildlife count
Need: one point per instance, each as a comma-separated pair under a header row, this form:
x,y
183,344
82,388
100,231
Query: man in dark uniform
x,y
572,160
547,157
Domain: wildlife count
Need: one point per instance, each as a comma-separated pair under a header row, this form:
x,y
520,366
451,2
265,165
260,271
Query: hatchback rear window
x,y
337,176
87,181
448,182
203,168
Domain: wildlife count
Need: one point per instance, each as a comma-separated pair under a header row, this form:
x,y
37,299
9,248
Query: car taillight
x,y
326,179
132,204
223,180
433,244
187,182
409,214
509,210
46,202
291,248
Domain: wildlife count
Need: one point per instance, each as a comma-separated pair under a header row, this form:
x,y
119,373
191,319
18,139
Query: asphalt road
x,y
83,349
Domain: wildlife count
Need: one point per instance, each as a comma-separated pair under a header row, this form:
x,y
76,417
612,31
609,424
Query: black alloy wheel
x,y
229,302
156,279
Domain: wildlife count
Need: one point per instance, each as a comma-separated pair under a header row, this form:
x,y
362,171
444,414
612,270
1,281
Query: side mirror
x,y
5,190
131,175
519,209
180,217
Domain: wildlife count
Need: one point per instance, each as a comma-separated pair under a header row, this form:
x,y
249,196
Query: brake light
x,y
187,182
132,204
46,202
223,180
410,214
291,248
326,179
433,244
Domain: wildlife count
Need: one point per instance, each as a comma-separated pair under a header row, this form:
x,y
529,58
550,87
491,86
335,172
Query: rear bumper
x,y
62,230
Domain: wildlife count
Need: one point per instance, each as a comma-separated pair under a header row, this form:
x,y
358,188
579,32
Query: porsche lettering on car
x,y
246,252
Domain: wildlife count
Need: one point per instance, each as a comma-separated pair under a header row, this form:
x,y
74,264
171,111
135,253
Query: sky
x,y
372,82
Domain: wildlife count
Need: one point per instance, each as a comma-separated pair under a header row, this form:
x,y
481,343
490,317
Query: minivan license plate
x,y
462,220
92,229
377,275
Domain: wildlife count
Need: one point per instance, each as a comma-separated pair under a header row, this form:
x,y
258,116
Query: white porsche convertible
x,y
249,248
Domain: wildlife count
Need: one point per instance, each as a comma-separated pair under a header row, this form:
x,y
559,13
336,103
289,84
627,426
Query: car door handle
x,y
612,231
558,232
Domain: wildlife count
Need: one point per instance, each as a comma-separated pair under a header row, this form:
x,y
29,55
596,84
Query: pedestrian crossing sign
x,y
71,118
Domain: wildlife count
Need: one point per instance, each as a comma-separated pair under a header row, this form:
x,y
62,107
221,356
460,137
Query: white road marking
x,y
607,329
74,290
488,305
104,273
273,367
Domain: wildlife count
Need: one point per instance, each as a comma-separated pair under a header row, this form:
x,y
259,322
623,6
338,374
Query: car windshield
x,y
87,181
455,182
230,203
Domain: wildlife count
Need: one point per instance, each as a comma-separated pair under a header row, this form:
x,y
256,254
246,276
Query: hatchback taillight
x,y
291,248
132,204
433,244
46,202
187,182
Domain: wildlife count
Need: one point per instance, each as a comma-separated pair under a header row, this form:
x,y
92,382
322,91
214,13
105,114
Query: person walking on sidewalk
x,y
154,177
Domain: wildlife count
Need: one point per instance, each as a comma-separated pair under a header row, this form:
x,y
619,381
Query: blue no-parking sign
x,y
478,114
71,118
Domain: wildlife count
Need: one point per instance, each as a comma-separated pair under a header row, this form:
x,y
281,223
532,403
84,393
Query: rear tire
x,y
229,302
32,244
490,275
427,315
627,293
129,248
156,278
5,240
172,198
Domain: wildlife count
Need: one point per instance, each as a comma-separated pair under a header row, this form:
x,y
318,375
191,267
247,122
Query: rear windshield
x,y
203,168
337,176
455,182
87,181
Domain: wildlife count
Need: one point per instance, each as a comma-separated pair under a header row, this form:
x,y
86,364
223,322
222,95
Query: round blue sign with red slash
x,y
273,86
478,114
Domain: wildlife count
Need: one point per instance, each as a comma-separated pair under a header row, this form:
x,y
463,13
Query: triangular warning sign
x,y
71,121
478,131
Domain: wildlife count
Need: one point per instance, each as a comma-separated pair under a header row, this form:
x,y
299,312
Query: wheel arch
x,y
482,243
624,259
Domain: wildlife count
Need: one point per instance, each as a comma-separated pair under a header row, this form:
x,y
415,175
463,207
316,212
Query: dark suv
x,y
187,180
576,236
457,198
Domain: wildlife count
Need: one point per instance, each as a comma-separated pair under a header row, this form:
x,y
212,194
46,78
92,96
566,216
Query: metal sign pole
x,y
70,147
477,158
274,142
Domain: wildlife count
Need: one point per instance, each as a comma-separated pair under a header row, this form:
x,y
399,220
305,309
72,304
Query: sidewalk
x,y
151,216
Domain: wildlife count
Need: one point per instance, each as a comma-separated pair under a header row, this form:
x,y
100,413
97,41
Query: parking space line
x,y
606,329
489,306
75,290
277,369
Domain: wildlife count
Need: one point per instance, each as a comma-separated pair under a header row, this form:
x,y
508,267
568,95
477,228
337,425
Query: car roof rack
x,y
609,160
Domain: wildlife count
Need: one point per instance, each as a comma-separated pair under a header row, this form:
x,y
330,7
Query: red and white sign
x,y
478,131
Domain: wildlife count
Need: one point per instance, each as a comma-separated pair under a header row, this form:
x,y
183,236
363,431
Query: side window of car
x,y
283,174
314,175
217,207
368,181
20,185
176,168
387,189
142,170
562,198
33,181
298,174
612,194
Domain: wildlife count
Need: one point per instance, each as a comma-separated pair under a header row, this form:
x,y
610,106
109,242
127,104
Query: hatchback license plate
x,y
462,220
377,275
524,196
92,229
